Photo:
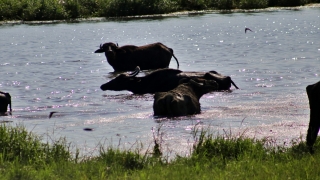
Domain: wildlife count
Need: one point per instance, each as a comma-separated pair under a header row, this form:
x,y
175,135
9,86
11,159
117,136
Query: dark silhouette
x,y
128,57
5,100
313,92
51,114
247,29
88,129
182,100
162,80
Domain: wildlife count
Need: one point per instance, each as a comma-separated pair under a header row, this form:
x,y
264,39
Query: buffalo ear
x,y
208,82
184,80
211,83
192,82
120,50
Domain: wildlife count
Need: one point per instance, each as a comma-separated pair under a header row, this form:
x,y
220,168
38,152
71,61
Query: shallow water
x,y
53,68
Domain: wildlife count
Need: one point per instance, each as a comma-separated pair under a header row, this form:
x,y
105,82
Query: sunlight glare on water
x,y
53,67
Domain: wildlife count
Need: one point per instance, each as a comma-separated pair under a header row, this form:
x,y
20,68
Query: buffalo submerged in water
x,y
184,99
162,80
128,57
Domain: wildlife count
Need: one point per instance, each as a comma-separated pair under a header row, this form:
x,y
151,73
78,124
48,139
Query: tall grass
x,y
25,156
17,144
29,10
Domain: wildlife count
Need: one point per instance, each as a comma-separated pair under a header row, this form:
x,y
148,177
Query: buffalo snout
x,y
99,51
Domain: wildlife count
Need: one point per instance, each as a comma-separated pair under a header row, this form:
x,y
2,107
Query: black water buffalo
x,y
313,92
5,100
182,100
127,58
162,80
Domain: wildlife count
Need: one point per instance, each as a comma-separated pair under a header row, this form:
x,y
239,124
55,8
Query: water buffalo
x,y
182,100
127,58
5,100
313,92
162,80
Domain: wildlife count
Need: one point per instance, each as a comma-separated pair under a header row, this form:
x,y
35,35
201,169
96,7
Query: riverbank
x,y
23,155
57,11
173,14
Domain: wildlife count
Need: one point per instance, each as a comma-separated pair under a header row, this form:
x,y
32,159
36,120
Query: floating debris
x,y
88,129
51,113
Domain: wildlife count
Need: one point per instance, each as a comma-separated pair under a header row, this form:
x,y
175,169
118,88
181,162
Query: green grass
x,y
29,10
24,155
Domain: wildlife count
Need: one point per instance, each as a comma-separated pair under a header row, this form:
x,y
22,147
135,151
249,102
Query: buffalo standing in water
x,y
182,100
127,58
162,80
313,92
5,100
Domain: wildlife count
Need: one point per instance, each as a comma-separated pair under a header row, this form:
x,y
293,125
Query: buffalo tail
x,y
176,60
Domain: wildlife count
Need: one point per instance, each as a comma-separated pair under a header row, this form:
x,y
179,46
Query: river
x,y
53,67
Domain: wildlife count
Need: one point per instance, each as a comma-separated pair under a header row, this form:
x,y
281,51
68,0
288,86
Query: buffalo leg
x,y
313,129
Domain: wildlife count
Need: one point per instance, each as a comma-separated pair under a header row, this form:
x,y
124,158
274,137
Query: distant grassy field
x,y
25,156
29,10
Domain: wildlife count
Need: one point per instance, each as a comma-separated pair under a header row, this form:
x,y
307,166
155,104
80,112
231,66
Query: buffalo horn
x,y
100,46
10,106
136,71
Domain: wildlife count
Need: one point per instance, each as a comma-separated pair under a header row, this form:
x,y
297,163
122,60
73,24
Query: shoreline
x,y
174,14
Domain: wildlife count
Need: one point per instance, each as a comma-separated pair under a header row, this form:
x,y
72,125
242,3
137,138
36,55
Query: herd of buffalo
x,y
176,92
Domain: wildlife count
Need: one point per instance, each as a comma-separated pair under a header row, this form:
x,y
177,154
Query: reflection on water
x,y
53,68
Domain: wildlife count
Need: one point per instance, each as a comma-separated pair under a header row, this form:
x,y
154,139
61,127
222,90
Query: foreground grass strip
x,y
23,155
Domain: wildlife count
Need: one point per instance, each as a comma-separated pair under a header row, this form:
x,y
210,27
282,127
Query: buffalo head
x,y
122,81
201,86
106,47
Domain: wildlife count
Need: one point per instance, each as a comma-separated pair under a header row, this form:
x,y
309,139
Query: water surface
x,y
54,68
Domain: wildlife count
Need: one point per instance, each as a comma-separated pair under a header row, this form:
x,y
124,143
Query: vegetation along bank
x,y
32,10
24,155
